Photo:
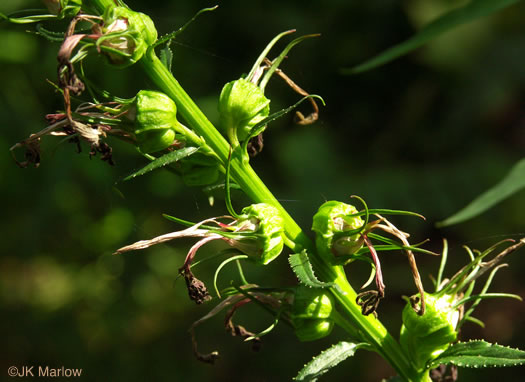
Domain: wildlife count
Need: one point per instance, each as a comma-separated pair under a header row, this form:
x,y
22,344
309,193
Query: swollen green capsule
x,y
154,117
199,170
126,35
331,222
311,313
425,337
267,226
242,104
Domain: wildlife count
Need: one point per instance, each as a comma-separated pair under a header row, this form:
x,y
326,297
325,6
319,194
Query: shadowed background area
x,y
426,133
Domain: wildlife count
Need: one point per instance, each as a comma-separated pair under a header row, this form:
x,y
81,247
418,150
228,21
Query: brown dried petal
x,y
255,145
444,373
32,154
196,288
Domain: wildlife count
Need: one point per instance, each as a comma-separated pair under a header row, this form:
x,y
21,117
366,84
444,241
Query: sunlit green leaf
x,y
302,268
473,10
511,183
164,160
480,354
329,358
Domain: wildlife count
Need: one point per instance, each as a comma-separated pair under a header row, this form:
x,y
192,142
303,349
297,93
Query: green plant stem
x,y
369,328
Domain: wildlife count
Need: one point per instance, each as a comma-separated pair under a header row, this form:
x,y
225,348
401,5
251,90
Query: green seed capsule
x,y
425,337
331,222
154,117
311,312
267,226
242,104
197,176
128,34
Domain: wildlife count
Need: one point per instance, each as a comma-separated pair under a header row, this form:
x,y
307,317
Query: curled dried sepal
x,y
258,233
212,356
196,288
239,298
92,133
239,330
368,301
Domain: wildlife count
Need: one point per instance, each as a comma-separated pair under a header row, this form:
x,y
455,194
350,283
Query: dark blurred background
x,y
425,133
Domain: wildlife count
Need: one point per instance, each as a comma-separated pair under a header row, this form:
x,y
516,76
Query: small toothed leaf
x,y
164,160
329,358
166,56
479,354
302,268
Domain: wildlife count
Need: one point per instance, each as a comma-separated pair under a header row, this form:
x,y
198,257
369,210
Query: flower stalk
x,y
369,328
242,173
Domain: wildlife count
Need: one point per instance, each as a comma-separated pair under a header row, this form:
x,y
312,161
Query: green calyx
x,y
244,109
337,228
242,104
154,117
426,336
126,35
311,313
266,226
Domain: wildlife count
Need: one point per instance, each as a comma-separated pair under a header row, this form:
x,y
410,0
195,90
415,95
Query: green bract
x,y
267,226
331,222
425,337
311,312
154,117
126,35
242,104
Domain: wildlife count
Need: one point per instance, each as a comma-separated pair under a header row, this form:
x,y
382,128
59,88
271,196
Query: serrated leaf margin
x,y
301,266
479,354
326,360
